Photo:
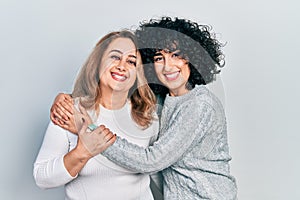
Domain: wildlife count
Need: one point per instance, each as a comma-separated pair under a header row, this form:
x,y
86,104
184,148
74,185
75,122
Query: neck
x,y
113,100
178,92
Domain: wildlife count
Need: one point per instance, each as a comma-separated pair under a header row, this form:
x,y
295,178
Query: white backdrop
x,y
44,43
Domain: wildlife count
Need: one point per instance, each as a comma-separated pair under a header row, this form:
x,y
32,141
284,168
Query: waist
x,y
110,186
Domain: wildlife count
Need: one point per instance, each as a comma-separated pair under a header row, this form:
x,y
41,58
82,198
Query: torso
x,y
193,171
101,178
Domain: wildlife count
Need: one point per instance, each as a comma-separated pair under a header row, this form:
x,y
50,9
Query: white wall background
x,y
44,43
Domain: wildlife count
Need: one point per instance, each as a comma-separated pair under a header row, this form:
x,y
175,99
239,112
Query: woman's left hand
x,y
61,109
73,122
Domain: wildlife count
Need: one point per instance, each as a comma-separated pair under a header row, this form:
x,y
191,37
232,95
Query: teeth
x,y
171,76
122,78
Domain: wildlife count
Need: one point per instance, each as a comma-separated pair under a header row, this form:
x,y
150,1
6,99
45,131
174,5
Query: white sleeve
x,y
49,169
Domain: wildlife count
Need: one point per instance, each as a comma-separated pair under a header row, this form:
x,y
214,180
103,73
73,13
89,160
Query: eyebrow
x,y
158,53
118,51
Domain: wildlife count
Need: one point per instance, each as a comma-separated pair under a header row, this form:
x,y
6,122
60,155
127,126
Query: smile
x,y
172,76
118,77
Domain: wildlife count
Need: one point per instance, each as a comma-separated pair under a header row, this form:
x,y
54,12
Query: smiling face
x,y
172,70
118,66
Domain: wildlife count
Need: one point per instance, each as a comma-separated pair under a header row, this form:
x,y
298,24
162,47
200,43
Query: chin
x,y
120,89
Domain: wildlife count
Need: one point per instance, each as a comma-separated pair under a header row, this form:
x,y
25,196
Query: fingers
x,y
112,139
53,114
104,133
53,118
102,130
59,114
58,111
61,97
63,109
106,138
67,106
96,141
109,142
56,120
69,98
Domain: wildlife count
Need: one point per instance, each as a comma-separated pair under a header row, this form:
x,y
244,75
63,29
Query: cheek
x,y
103,72
186,72
158,70
133,75
104,66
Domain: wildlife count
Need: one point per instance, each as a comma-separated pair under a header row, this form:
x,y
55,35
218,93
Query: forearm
x,y
60,170
75,160
49,169
136,158
183,132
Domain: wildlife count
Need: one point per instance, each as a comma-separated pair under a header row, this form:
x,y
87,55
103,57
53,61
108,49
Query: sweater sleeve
x,y
49,169
185,129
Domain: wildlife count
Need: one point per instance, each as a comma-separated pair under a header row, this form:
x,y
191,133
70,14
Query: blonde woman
x,y
112,89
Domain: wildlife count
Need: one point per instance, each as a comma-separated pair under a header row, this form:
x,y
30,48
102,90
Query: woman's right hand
x,y
96,141
89,144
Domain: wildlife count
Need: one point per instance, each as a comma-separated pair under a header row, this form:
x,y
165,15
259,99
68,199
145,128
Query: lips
x,y
172,76
118,77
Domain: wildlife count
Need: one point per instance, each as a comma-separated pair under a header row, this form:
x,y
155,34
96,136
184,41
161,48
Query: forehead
x,y
165,51
124,45
168,47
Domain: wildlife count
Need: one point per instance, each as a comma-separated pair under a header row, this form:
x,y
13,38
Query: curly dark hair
x,y
197,44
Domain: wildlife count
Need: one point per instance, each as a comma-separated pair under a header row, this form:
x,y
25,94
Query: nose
x,y
168,63
121,65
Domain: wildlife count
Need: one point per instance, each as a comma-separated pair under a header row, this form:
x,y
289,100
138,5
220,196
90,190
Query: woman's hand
x,y
64,114
61,109
89,144
96,141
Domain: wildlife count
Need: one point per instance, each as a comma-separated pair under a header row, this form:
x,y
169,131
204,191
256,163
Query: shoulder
x,y
203,101
203,96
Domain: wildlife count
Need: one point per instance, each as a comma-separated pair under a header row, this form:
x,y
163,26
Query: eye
x,y
132,62
176,55
115,57
158,59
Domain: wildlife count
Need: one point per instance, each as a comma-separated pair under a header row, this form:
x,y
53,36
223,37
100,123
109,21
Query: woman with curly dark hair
x,y
192,148
196,43
180,57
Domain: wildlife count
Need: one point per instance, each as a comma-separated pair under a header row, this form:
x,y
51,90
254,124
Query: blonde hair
x,y
87,83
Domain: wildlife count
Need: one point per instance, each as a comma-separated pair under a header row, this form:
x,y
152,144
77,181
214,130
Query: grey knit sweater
x,y
191,151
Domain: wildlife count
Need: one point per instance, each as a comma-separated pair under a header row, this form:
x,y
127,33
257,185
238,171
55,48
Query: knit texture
x,y
192,149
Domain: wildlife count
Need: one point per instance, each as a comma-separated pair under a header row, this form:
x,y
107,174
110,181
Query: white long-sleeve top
x,y
99,178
